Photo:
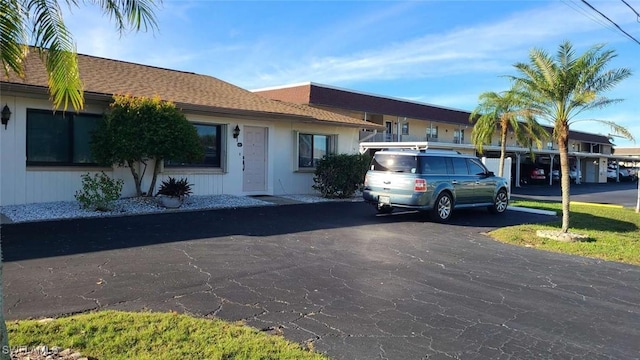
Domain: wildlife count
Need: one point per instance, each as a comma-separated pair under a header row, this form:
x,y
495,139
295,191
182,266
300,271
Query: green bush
x,y
98,192
339,176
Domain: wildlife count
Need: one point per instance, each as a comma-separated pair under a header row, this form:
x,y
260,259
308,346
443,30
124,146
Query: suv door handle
x,y
477,182
454,182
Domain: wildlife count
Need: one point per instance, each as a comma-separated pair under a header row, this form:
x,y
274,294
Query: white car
x,y
573,174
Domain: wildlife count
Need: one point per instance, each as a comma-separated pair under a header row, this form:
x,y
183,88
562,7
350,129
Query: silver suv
x,y
432,180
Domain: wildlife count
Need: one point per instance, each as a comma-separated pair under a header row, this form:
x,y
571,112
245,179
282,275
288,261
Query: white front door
x,y
254,159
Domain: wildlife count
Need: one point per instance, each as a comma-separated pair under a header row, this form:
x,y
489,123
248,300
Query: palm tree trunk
x,y
503,149
565,181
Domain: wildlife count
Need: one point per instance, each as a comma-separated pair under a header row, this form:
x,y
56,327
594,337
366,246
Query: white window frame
x,y
331,150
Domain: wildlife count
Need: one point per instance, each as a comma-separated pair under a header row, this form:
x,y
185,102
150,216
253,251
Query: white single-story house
x,y
44,152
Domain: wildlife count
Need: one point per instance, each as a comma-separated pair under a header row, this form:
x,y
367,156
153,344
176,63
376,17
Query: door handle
x,y
242,163
454,182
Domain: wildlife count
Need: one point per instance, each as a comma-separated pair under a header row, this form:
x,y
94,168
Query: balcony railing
x,y
366,137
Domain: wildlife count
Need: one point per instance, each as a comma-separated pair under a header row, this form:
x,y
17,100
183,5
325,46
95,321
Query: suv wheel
x,y
443,208
500,202
383,209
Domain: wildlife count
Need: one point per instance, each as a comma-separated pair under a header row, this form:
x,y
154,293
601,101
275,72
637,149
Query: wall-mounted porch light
x,y
236,132
6,115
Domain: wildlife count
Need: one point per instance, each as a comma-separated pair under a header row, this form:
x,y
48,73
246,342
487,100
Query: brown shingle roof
x,y
188,90
323,95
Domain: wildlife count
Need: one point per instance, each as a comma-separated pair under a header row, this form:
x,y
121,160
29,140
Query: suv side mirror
x,y
490,174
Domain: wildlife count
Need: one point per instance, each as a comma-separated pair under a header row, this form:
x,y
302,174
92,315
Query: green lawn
x,y
120,335
614,232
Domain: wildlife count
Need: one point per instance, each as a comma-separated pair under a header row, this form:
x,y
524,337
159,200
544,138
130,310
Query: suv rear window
x,y
394,163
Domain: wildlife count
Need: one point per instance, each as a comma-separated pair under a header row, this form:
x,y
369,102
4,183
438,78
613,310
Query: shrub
x,y
98,192
142,130
339,176
175,188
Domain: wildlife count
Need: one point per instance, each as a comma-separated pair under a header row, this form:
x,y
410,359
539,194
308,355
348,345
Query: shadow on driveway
x,y
66,237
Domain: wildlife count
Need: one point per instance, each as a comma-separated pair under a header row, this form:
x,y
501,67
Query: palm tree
x,y
56,47
54,43
559,88
504,111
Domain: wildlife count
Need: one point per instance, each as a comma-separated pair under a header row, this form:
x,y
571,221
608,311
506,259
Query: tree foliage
x,y
140,129
504,111
558,88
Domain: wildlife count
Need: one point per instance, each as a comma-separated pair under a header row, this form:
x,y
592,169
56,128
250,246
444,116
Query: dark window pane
x,y
210,138
305,150
47,137
460,166
475,168
83,128
394,163
434,165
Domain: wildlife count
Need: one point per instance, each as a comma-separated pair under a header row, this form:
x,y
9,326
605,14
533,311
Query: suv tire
x,y
443,207
500,202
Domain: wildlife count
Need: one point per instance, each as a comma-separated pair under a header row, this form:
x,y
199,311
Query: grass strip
x,y
614,232
129,335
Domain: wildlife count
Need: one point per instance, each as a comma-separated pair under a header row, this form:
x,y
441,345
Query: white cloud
x,y
489,48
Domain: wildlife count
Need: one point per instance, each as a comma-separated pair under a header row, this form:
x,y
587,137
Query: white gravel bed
x,y
141,205
129,206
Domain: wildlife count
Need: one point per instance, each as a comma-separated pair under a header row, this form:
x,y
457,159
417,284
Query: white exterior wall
x,y
21,185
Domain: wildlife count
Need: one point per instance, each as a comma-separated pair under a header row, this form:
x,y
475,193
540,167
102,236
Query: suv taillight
x,y
366,180
420,185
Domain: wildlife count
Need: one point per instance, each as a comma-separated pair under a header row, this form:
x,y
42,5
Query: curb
x,y
597,204
532,211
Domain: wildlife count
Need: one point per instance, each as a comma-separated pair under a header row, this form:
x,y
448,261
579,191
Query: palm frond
x,y
130,14
58,52
14,37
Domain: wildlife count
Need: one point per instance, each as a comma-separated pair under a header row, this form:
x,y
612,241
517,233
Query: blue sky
x,y
439,52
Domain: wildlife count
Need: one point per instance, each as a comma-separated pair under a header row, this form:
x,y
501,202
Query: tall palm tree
x,y
504,111
559,88
42,22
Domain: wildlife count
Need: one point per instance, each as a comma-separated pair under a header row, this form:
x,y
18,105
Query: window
x,y
476,168
394,163
60,139
434,165
460,166
432,132
312,148
211,139
458,136
405,128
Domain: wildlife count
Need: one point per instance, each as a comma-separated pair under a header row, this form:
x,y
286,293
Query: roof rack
x,y
419,145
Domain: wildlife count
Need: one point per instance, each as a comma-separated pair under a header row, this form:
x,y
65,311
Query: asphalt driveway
x,y
359,286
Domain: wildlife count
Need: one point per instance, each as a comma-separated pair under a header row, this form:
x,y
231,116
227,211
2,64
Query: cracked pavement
x,y
356,285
